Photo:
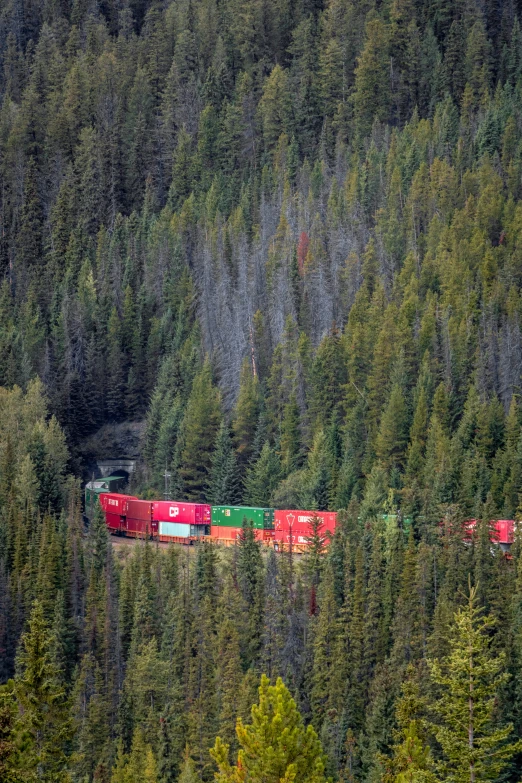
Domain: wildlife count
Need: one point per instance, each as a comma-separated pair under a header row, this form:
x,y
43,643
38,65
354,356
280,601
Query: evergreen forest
x,y
284,239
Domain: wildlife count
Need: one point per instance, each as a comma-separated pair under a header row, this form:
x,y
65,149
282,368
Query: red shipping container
x,y
230,533
114,502
298,522
296,539
234,533
137,528
505,529
113,521
179,511
138,509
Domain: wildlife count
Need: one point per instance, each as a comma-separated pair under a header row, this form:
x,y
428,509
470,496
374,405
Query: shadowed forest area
x,y
285,235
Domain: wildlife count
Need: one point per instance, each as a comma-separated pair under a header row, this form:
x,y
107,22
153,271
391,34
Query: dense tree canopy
x,y
285,239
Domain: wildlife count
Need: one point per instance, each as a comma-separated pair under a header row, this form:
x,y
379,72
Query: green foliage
x,y
275,746
200,426
326,195
224,483
45,725
137,765
474,742
262,477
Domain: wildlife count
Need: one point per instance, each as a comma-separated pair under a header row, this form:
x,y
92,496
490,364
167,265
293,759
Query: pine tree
x,y
412,760
475,745
224,483
202,701
325,647
200,426
137,765
188,772
290,442
9,752
246,413
262,477
275,746
372,92
45,720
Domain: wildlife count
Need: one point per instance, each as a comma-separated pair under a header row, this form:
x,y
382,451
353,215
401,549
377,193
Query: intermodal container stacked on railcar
x,y
293,526
178,519
138,519
113,506
227,522
502,532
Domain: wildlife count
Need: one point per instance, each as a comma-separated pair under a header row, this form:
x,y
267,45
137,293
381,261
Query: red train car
x,y
502,532
505,530
293,526
229,535
138,519
114,522
181,512
114,502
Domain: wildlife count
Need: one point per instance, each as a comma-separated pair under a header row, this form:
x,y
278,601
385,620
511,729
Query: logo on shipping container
x,y
112,502
304,519
173,511
297,539
290,519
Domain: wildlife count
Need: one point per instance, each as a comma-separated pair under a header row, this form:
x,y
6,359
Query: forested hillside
x,y
326,197
286,235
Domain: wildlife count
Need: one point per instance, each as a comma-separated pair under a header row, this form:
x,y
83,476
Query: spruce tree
x,y
200,426
262,477
45,720
275,746
475,745
246,413
9,751
224,483
412,760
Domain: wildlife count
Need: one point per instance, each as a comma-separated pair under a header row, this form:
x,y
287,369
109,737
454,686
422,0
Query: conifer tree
x,y
317,540
138,764
325,647
250,581
188,772
475,744
290,445
246,413
275,746
9,752
200,426
412,760
45,720
371,77
262,477
224,483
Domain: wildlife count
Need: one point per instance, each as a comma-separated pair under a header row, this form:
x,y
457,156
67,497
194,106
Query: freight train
x,y
184,523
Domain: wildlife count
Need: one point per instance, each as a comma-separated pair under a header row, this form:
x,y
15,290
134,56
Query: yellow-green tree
x,y
475,745
276,747
138,766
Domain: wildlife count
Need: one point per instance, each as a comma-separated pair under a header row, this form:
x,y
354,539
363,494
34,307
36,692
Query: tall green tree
x,y
275,746
200,426
45,724
475,744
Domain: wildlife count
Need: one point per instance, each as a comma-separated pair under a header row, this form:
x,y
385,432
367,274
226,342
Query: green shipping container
x,y
93,489
232,516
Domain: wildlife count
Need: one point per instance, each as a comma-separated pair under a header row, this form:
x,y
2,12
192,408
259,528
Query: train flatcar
x,y
185,523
